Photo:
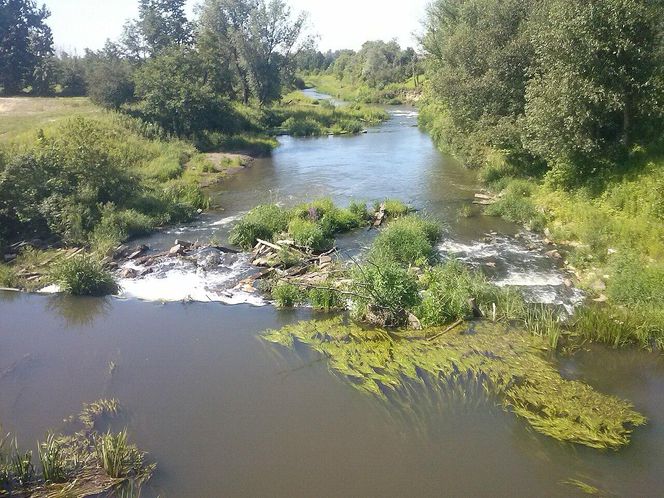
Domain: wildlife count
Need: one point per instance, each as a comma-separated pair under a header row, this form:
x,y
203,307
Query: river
x,y
225,414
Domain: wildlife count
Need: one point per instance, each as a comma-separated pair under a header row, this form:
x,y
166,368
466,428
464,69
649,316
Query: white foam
x,y
531,279
178,280
226,221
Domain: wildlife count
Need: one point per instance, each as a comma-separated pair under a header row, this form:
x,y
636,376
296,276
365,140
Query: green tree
x,y
598,84
109,77
163,23
479,58
255,39
175,93
26,47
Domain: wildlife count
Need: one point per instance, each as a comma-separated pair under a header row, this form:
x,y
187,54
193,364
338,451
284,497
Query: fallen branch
x,y
448,329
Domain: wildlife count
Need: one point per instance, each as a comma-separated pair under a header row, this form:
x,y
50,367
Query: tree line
x,y
569,87
177,72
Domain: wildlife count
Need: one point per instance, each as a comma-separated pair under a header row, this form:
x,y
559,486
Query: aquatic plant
x,y
116,456
52,459
83,275
394,208
326,298
510,363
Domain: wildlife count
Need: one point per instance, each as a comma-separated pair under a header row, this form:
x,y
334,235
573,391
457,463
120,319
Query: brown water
x,y
225,414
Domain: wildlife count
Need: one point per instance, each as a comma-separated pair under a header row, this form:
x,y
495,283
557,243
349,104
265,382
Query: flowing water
x,y
225,414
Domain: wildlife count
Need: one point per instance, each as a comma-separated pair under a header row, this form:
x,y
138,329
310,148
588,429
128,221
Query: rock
x,y
176,250
128,273
598,285
568,283
413,322
139,251
121,252
184,243
145,271
324,260
553,254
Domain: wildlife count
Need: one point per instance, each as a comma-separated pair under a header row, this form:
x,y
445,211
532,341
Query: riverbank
x,y
407,92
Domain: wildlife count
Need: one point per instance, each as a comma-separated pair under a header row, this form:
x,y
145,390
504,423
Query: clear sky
x,y
78,24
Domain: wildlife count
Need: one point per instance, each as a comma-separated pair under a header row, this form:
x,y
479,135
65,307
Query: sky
x,y
78,24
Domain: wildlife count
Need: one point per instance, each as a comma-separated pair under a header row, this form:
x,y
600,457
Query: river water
x,y
225,414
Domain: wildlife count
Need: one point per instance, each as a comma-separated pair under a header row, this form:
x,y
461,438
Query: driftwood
x,y
380,215
484,199
448,329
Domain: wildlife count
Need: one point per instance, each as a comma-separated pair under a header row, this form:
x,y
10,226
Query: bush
x,y
309,234
8,277
407,241
394,208
384,294
118,225
287,295
83,275
302,127
516,205
262,222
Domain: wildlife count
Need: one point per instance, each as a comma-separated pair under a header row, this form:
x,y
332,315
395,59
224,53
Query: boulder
x,y
176,250
184,243
554,254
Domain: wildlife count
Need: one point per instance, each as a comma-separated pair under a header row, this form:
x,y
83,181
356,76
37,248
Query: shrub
x,y
302,127
517,205
262,222
8,276
83,275
384,294
309,234
408,240
287,295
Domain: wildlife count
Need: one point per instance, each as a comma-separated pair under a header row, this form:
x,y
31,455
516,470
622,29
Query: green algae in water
x,y
511,364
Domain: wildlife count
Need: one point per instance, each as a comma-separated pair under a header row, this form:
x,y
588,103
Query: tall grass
x,y
83,275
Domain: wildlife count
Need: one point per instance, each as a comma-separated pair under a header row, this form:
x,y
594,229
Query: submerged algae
x,y
510,363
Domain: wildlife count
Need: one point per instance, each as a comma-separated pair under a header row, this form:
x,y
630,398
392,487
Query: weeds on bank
x,y
83,275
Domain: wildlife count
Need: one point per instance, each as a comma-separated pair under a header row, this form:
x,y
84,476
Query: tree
x,y
598,84
479,56
163,23
256,39
26,47
175,93
71,76
110,77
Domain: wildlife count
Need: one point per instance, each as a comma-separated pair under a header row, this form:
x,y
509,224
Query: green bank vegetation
x,y
558,104
509,363
88,462
380,72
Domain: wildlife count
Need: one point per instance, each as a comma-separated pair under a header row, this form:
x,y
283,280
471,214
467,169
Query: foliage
x,y
287,295
408,241
508,363
109,78
26,47
309,234
49,188
383,293
571,86
262,222
174,94
516,204
83,275
326,298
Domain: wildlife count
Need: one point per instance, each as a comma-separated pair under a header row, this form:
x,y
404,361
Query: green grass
x,y
301,116
23,114
83,275
309,234
408,241
394,93
262,222
287,295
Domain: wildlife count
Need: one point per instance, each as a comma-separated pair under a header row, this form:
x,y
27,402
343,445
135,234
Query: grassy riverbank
x,y
394,93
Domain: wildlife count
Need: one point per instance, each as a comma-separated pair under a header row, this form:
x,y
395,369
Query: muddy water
x,y
225,414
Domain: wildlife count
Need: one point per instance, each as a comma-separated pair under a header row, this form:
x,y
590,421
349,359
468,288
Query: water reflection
x,y
79,311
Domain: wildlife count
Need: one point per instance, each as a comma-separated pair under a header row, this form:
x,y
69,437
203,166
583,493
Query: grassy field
x,y
23,114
